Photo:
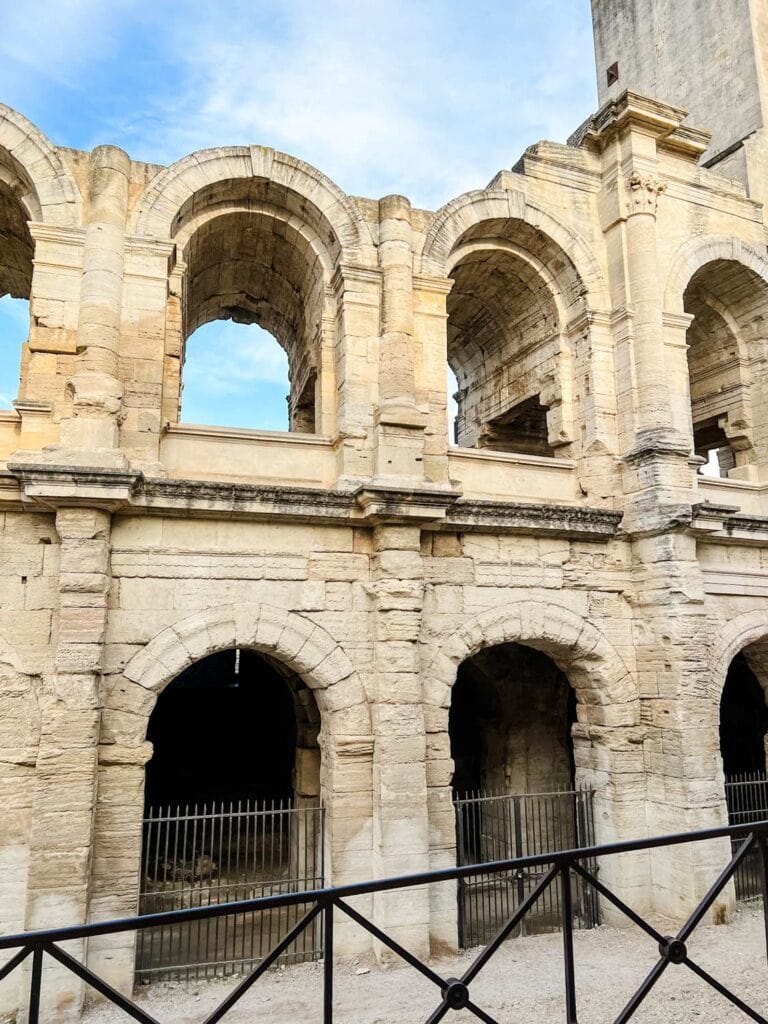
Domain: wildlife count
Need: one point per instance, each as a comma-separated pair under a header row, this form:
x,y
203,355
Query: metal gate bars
x,y
494,827
225,853
747,799
451,993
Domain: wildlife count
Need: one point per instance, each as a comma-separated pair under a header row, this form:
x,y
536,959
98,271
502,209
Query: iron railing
x,y
451,993
225,852
500,826
747,799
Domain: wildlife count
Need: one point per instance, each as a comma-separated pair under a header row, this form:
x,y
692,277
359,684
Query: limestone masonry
x,y
604,306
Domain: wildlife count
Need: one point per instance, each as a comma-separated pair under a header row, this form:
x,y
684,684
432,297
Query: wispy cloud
x,y
416,96
228,359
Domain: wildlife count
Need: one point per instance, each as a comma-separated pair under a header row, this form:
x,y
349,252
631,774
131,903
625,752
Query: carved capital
x,y
643,193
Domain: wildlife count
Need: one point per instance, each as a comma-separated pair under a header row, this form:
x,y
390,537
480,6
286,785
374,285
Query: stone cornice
x,y
725,523
205,499
56,233
633,110
370,504
380,503
516,517
52,486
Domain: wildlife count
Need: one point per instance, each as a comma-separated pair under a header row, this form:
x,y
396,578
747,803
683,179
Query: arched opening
x,y
510,722
515,786
255,271
743,746
16,251
232,811
506,344
235,375
729,305
743,720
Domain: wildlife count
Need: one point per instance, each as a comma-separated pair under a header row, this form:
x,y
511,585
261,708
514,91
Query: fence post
x,y
33,1016
762,841
328,965
570,971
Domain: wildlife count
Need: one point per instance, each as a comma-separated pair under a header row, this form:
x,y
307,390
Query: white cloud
x,y
227,359
413,96
55,38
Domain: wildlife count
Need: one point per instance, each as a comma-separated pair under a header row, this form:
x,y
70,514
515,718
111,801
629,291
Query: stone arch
x,y
32,168
604,684
696,253
720,285
737,634
522,284
174,186
472,208
289,637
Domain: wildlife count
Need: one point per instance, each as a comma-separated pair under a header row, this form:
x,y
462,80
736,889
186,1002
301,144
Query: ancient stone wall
x,y
613,285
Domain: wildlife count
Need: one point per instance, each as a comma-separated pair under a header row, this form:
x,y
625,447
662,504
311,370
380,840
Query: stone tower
x,y
706,56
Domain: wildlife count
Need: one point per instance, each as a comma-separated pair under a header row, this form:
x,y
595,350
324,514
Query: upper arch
x,y
697,253
175,186
290,637
738,633
594,666
469,210
32,167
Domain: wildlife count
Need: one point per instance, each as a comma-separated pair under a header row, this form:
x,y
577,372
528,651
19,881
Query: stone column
x,y
61,836
401,832
96,390
400,424
358,295
652,397
117,842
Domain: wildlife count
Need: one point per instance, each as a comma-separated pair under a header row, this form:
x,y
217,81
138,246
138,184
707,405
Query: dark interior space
x,y
225,729
510,722
743,720
522,430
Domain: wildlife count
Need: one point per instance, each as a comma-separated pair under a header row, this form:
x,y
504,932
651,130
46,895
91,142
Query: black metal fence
x,y
225,852
747,799
450,993
495,827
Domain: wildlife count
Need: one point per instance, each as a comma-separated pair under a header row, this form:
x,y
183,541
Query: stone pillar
x,y
400,424
117,841
430,337
61,837
52,345
358,295
401,832
652,397
97,393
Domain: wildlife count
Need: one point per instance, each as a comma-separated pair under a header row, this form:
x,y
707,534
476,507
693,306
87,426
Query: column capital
x,y
643,191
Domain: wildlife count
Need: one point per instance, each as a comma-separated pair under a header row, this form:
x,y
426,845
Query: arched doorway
x,y
508,350
232,811
727,303
743,745
515,786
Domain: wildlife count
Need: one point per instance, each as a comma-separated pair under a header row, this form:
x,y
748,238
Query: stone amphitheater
x,y
585,548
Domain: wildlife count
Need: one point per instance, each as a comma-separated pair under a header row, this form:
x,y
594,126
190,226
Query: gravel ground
x,y
522,983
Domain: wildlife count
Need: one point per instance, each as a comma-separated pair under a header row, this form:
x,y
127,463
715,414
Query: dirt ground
x,y
523,982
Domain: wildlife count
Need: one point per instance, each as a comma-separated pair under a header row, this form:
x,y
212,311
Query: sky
x,y
423,97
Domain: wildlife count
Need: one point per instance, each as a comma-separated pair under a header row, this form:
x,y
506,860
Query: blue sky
x,y
423,97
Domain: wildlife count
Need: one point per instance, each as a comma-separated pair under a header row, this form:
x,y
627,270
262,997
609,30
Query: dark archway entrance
x,y
743,735
743,720
225,729
510,724
232,812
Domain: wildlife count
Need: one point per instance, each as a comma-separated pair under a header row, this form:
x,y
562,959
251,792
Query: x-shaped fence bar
x,y
454,992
